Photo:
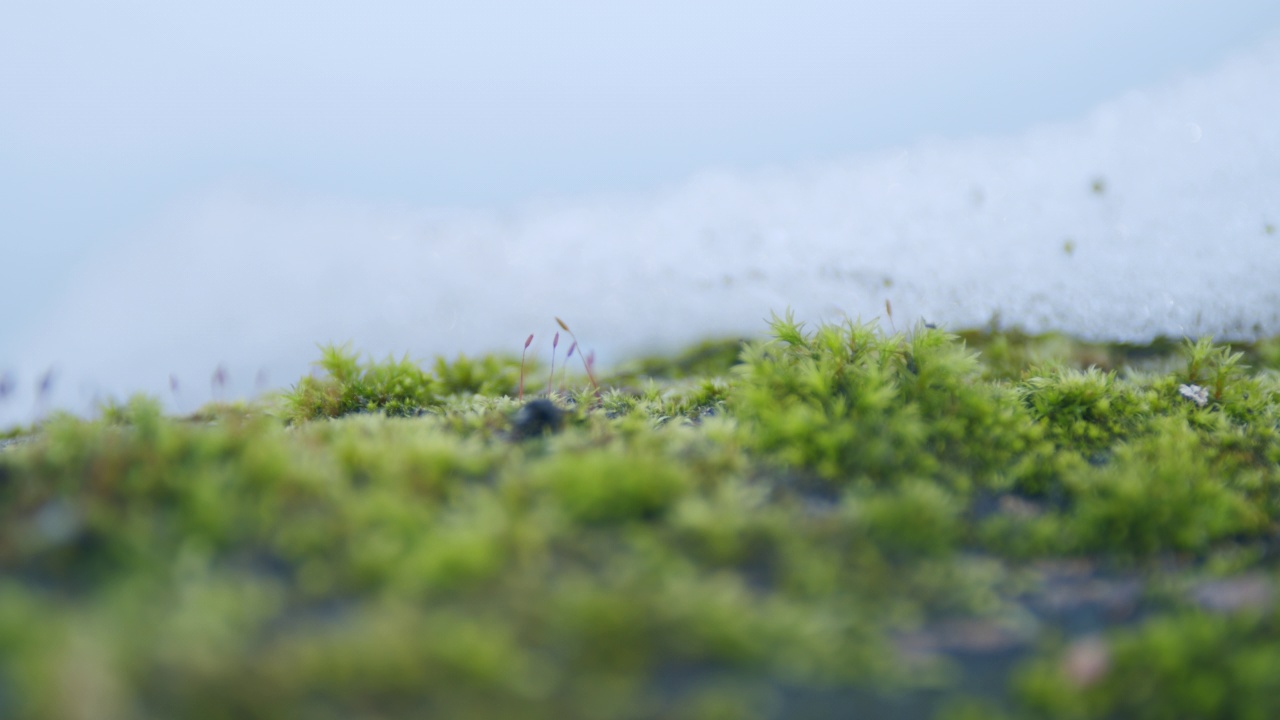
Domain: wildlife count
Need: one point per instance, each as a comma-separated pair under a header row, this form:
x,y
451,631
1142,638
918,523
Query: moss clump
x,y
392,387
604,487
1086,410
1159,493
832,521
856,406
709,358
489,375
1186,664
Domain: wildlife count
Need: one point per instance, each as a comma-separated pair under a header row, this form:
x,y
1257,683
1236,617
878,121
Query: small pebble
x,y
536,417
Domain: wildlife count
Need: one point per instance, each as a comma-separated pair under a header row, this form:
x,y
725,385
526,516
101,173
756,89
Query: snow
x,y
1155,215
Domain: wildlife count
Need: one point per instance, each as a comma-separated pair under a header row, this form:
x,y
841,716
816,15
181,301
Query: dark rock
x,y
535,418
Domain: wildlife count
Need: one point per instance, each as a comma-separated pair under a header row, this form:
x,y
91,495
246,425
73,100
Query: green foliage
x,y
394,387
605,487
916,518
853,405
140,411
835,521
397,388
1158,494
1013,355
1188,665
710,358
489,375
1267,353
1086,411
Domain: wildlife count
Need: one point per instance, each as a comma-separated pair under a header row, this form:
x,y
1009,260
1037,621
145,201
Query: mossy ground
x,y
836,522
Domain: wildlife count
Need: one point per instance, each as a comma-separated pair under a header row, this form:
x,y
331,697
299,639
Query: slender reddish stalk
x,y
219,382
586,365
45,390
555,342
522,354
173,390
565,370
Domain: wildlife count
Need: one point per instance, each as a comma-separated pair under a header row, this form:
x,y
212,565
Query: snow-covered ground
x,y
1158,213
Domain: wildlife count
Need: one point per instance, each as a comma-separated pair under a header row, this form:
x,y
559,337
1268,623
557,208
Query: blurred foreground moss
x,y
831,522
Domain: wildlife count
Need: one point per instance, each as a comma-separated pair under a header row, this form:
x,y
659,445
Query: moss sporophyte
x,y
831,521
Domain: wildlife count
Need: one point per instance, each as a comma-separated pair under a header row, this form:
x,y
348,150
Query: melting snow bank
x,y
1157,215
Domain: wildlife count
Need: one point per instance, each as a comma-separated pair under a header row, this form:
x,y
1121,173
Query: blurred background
x,y
194,186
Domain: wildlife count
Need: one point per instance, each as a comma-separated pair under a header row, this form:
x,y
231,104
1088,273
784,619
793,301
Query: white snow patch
x,y
1156,215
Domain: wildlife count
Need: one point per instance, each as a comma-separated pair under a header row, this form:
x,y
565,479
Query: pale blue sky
x,y
111,113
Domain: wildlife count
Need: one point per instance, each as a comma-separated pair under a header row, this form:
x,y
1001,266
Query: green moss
x,y
853,405
599,486
1086,411
710,358
835,520
1187,664
489,375
1011,354
893,520
395,387
1159,493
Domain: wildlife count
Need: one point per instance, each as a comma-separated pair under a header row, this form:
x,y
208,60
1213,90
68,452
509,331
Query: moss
x,y
1086,411
710,358
831,521
489,375
853,405
1011,354
1159,493
893,519
395,387
15,432
599,486
1187,664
